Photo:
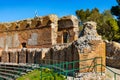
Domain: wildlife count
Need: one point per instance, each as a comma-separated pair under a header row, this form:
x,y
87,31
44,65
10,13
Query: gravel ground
x,y
108,75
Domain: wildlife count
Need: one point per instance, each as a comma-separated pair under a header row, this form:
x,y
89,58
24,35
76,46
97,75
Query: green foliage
x,y
106,24
88,15
47,74
82,14
115,10
113,24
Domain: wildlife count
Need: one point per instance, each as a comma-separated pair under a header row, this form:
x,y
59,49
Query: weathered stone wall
x,y
32,38
69,25
113,54
35,32
89,45
5,57
38,32
56,54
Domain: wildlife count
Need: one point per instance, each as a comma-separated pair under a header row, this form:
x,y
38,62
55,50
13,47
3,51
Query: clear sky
x,y
12,10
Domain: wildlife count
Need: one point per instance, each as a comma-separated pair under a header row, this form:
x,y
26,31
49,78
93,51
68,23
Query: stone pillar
x,y
37,56
31,56
5,57
13,57
23,56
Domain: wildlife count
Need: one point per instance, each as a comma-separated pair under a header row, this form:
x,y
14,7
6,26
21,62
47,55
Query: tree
x,y
114,30
106,24
115,10
81,14
94,15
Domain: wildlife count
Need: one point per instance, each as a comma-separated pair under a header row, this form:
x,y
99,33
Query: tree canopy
x,y
107,26
115,10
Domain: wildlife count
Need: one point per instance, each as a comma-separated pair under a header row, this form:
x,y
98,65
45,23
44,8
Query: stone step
x,y
2,77
13,76
18,66
15,68
12,71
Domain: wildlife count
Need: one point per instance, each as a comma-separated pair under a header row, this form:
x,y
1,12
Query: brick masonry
x,y
68,53
76,50
39,32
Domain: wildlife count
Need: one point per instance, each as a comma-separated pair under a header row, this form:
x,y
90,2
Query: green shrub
x,y
47,74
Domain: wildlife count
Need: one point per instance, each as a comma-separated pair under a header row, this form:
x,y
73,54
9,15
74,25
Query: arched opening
x,y
28,26
38,24
65,37
17,27
24,45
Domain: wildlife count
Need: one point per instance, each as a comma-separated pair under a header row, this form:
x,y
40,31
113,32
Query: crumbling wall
x,y
113,54
69,25
89,45
37,32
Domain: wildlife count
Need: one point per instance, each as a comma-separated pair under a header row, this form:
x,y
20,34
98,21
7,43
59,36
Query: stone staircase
x,y
11,71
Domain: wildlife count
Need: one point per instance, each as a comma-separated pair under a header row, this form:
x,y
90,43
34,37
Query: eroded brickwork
x,y
89,44
38,32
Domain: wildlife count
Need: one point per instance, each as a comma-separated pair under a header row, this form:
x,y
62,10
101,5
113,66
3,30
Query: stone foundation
x,y
62,53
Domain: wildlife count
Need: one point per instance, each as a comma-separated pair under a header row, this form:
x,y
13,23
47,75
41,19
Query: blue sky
x,y
12,10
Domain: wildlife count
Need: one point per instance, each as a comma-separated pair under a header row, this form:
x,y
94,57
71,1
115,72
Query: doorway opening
x,y
24,45
65,37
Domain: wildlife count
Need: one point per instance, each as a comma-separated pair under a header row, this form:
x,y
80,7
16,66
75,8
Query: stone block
x,y
5,57
13,57
23,56
68,21
37,57
31,56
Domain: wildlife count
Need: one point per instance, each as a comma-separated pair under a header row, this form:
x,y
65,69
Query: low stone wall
x,y
59,53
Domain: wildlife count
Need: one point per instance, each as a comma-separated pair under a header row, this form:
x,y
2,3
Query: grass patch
x,y
47,74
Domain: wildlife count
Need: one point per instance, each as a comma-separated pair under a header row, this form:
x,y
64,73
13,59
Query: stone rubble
x,y
88,34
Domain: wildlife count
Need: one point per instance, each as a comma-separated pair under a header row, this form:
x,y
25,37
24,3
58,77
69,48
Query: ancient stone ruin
x,y
113,54
38,32
88,45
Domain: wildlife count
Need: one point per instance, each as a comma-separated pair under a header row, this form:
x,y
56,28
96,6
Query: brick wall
x,y
65,52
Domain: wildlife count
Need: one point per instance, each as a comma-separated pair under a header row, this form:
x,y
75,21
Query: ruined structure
x,y
113,54
38,32
88,45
